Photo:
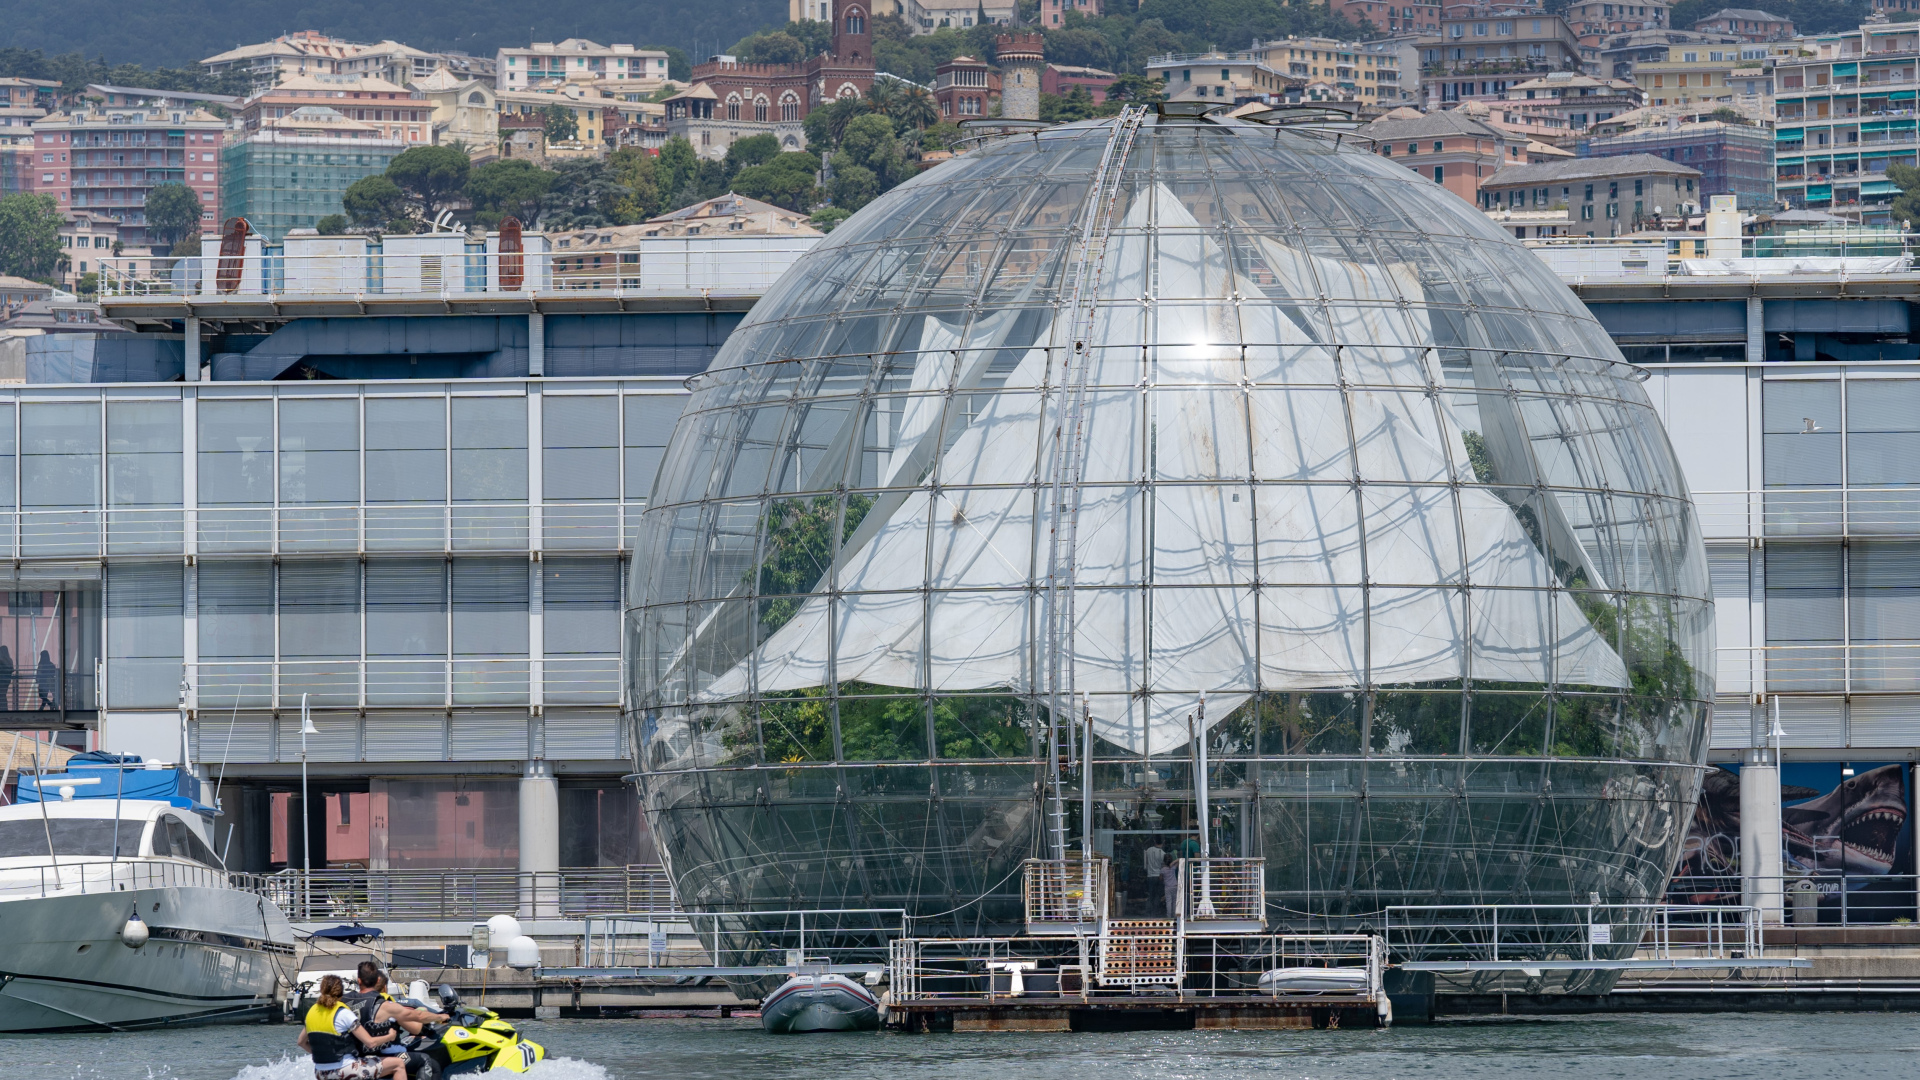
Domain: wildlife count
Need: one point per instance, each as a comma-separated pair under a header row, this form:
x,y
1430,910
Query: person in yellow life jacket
x,y
335,1037
381,1014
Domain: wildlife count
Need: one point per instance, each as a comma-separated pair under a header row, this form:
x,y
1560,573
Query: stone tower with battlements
x,y
1021,57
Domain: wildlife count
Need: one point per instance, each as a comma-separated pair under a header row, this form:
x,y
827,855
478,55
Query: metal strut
x,y
1069,452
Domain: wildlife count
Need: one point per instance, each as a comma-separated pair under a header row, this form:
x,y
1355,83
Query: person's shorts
x,y
351,1069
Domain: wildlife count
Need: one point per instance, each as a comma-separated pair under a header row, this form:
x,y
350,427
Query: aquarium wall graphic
x,y
1847,842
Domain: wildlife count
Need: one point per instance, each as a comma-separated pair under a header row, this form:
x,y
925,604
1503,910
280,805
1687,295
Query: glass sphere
x,y
1204,425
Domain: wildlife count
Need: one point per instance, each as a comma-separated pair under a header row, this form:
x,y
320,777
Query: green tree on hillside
x,y
786,180
29,236
510,187
871,161
376,202
750,151
173,216
559,123
431,177
1906,205
638,172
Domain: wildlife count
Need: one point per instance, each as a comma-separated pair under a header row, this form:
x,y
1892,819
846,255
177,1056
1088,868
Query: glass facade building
x,y
1099,421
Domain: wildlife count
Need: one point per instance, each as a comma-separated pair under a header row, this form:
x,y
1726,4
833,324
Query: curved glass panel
x,y
1248,415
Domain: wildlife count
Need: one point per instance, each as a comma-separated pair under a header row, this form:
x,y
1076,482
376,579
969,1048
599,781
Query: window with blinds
x,y
320,630
1804,594
235,456
1801,433
580,605
406,630
1883,432
489,449
59,454
320,452
649,424
236,610
1883,614
582,448
6,458
143,454
490,607
235,613
406,457
145,615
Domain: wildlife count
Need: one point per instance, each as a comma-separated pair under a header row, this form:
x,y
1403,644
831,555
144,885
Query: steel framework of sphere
x,y
1099,419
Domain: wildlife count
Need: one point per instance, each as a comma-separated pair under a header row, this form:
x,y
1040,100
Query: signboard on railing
x,y
1846,835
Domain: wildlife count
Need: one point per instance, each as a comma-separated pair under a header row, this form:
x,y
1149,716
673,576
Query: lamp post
x,y
306,811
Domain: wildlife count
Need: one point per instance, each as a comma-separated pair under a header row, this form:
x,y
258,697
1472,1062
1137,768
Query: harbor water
x,y
1666,1047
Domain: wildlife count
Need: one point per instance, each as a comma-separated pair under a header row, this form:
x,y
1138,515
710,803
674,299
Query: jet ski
x,y
821,1002
473,1040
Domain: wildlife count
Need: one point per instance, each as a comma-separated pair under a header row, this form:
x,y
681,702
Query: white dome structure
x,y
1098,420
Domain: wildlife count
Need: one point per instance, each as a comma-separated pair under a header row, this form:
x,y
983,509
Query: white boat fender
x,y
1386,1011
134,934
523,952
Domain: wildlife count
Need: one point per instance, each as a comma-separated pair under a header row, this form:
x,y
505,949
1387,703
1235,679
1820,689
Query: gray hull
x,y
214,955
831,1004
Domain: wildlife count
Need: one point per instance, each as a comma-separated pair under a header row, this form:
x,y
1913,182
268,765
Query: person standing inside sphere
x,y
1154,862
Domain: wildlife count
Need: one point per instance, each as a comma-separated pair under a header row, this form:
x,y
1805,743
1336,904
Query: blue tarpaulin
x,y
110,776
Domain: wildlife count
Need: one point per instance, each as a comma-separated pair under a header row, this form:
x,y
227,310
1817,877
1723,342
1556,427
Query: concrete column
x,y
1756,330
539,843
191,368
536,344
1760,864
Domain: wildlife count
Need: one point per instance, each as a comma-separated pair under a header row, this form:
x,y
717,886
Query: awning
x,y
1903,95
1876,125
1841,70
1819,191
1789,134
1879,187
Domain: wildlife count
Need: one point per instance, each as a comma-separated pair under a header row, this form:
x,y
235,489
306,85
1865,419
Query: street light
x,y
306,810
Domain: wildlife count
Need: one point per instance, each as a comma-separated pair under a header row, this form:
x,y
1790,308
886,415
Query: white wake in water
x,y
561,1068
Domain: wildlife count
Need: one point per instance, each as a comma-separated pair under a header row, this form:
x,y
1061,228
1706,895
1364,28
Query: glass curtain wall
x,y
1246,415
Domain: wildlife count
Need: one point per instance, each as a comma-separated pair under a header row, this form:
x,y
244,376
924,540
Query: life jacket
x,y
367,1004
328,1046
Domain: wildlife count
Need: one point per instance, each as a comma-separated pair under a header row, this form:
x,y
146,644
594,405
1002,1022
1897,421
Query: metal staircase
x,y
1068,440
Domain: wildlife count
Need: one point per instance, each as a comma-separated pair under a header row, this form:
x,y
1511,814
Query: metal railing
x,y
1224,890
653,266
373,682
784,940
980,970
467,895
68,876
1819,669
1056,892
1570,932
82,532
1814,899
1809,512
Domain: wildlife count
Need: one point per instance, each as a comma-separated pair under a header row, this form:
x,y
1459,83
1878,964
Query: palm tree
x,y
883,96
917,107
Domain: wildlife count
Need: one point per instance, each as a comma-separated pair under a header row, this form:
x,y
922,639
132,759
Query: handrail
x,y
468,894
75,876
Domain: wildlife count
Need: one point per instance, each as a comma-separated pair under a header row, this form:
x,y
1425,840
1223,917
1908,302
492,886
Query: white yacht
x,y
115,912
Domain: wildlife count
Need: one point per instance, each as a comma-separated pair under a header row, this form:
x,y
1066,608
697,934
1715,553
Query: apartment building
x,y
1747,24
524,67
92,244
1393,18
822,10
1694,74
106,160
1593,21
1733,158
1577,101
926,16
1483,51
308,52
1363,71
23,101
292,170
396,111
1844,110
1236,77
1455,150
1603,196
588,109
465,111
1064,79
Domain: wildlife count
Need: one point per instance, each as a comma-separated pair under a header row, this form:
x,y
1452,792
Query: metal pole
x,y
1088,909
306,811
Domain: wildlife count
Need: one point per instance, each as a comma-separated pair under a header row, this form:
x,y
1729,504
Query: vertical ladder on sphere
x,y
1069,451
